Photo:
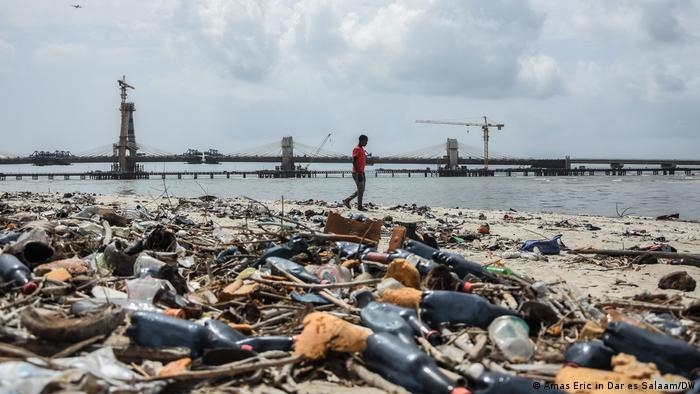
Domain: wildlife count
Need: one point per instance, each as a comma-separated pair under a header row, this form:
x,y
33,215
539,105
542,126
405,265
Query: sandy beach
x,y
600,277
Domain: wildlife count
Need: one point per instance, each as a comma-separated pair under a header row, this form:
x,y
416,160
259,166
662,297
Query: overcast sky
x,y
584,78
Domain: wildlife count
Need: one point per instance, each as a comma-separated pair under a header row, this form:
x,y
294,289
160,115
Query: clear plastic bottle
x,y
510,334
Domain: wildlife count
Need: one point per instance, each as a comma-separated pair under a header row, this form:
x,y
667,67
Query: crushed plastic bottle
x,y
266,344
146,265
510,334
440,306
405,365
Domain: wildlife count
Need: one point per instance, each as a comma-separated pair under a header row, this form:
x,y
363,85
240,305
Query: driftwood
x,y
633,253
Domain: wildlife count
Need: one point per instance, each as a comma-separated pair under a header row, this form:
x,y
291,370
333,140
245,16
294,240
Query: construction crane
x,y
484,126
318,149
123,86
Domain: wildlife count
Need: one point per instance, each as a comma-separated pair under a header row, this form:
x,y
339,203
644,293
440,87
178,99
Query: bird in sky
x,y
76,6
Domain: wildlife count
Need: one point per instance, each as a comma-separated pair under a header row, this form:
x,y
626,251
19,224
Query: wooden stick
x,y
318,286
374,379
229,370
623,253
323,293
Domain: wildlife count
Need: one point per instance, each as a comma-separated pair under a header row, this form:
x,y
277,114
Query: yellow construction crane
x,y
484,126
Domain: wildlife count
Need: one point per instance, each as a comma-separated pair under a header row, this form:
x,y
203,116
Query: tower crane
x,y
318,149
485,126
122,88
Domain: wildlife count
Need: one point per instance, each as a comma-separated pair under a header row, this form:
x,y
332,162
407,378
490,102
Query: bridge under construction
x,y
451,158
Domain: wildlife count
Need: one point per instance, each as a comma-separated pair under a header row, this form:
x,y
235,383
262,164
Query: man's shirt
x,y
360,156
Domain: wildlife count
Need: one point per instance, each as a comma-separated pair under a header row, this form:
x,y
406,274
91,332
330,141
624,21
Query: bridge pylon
x,y
287,154
127,135
452,148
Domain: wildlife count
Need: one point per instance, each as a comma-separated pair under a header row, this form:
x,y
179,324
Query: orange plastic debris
x,y
59,275
176,367
323,332
404,272
176,312
74,266
406,297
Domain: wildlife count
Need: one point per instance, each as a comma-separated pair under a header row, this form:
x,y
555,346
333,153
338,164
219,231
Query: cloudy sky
x,y
584,78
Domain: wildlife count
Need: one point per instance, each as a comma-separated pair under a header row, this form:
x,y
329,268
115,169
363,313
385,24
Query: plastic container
x,y
463,267
11,269
350,250
291,267
405,365
593,354
498,383
441,306
510,334
670,355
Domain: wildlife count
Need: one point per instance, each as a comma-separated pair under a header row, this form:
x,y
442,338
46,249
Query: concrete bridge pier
x,y
287,154
452,148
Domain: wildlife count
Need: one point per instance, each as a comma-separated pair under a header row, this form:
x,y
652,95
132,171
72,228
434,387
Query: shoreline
x,y
599,277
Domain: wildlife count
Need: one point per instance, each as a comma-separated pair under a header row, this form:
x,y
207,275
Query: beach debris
x,y
543,247
238,294
678,280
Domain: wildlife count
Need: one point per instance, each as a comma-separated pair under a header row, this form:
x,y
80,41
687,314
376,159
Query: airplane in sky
x,y
76,6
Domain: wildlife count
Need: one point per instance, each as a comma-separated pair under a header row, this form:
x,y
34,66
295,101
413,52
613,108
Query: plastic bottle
x,y
441,306
497,383
11,269
499,270
404,364
462,267
592,354
350,250
264,344
32,247
402,322
594,312
381,319
146,265
420,249
152,290
218,335
158,330
291,267
6,238
287,250
226,254
510,334
670,355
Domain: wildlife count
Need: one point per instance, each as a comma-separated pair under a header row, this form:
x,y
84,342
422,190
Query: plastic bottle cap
x,y
247,347
467,287
460,390
29,287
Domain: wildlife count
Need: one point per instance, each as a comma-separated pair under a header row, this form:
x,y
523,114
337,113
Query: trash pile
x,y
112,298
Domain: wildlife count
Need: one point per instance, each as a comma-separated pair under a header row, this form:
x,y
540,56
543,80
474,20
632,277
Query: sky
x,y
580,78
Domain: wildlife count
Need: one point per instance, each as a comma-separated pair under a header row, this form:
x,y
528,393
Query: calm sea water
x,y
646,195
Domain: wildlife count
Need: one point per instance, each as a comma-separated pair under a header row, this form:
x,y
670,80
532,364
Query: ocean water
x,y
643,195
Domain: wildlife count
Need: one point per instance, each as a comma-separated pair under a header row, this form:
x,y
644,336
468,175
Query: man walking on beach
x,y
359,158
